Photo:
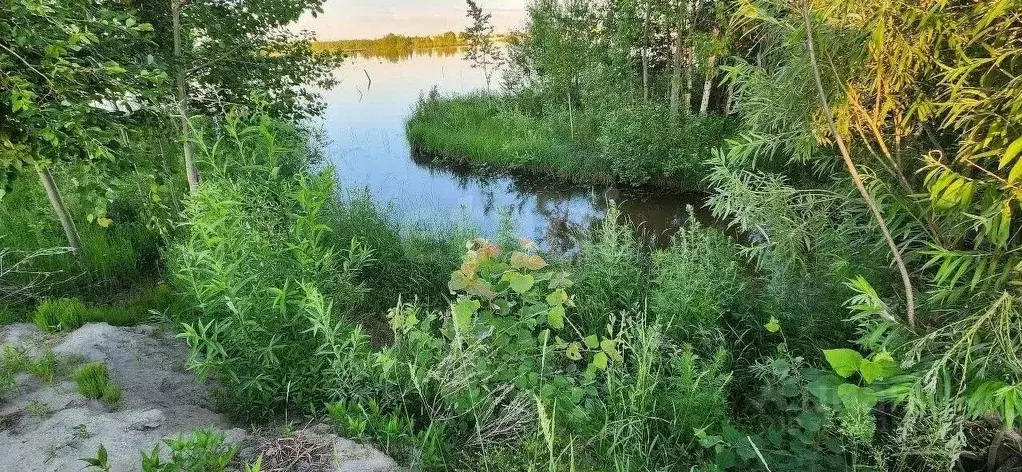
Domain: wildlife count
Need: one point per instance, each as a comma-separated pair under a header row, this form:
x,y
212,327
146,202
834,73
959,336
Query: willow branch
x,y
856,178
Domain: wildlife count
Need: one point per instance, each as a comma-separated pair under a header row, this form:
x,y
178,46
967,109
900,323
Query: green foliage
x,y
655,401
60,60
65,314
613,271
94,383
641,149
506,132
276,298
395,433
696,282
202,450
478,366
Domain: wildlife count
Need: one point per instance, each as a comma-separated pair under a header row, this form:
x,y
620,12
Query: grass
x,y
94,383
630,143
493,131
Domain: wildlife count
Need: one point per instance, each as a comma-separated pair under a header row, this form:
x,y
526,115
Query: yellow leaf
x,y
105,222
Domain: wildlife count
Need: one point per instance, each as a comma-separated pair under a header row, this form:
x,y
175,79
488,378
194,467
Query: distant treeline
x,y
395,45
393,42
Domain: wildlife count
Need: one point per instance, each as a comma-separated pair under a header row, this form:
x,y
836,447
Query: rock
x,y
49,427
350,456
159,400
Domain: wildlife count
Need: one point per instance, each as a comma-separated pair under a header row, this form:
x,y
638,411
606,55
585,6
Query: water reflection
x,y
365,124
396,55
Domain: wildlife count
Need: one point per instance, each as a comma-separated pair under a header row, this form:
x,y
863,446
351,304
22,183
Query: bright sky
x,y
349,19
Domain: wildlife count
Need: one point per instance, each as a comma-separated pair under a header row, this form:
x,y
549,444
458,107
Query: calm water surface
x,y
365,126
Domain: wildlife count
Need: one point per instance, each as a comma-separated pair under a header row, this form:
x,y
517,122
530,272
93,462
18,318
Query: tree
x,y
224,53
482,52
71,73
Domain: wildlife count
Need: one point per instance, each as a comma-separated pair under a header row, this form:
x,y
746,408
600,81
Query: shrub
x,y
641,144
65,314
696,280
273,297
506,345
613,271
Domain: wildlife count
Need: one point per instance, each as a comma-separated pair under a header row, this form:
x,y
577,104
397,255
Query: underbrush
x,y
634,144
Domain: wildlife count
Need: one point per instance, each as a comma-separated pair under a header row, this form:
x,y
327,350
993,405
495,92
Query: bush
x,y
273,298
65,314
505,350
696,281
613,271
642,144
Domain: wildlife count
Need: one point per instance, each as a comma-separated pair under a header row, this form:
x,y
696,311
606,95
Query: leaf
x,y
845,362
480,289
609,346
104,222
857,398
459,281
519,283
1010,153
600,361
773,325
555,317
521,260
592,341
573,351
557,297
463,311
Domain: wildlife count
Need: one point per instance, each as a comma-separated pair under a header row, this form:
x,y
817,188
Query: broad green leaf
x,y
557,297
463,311
519,283
857,398
573,351
845,362
600,361
555,317
773,325
592,341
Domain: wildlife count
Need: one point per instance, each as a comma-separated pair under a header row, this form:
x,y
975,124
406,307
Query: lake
x,y
365,128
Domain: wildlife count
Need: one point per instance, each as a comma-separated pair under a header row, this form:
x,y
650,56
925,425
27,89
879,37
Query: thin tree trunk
x,y
679,62
181,83
57,202
856,178
690,56
711,72
645,54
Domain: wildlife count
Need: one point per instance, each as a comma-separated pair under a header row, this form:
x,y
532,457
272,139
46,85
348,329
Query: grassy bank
x,y
631,144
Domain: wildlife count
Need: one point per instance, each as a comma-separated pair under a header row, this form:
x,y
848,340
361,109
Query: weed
x,y
65,314
37,409
92,380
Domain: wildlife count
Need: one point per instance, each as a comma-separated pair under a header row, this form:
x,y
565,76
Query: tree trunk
x,y
53,194
679,61
856,178
645,54
690,56
181,83
711,72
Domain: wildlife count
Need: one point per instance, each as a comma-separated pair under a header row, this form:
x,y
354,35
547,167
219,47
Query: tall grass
x,y
630,143
500,132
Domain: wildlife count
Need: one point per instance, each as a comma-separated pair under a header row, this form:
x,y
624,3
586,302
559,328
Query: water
x,y
365,126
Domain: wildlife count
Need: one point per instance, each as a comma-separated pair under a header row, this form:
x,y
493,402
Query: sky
x,y
350,19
